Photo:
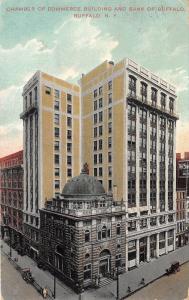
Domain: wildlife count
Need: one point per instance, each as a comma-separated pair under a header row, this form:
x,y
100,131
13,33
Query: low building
x,y
181,218
83,233
11,195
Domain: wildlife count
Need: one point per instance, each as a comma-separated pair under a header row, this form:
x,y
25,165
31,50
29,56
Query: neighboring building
x,y
83,233
183,172
11,195
51,112
128,139
181,218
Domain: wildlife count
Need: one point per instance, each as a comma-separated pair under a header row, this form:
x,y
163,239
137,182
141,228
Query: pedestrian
x,y
45,293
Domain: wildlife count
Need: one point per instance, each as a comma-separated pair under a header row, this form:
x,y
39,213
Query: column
x,y
166,242
148,248
157,245
126,256
148,161
166,166
174,239
157,169
137,159
137,253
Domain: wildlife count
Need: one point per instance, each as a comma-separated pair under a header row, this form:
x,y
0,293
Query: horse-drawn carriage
x,y
174,268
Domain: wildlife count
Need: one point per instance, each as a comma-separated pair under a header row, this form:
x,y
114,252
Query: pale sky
x,y
57,43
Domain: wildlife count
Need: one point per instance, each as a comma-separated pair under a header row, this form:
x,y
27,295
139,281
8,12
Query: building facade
x,y
181,215
83,233
51,111
128,130
11,195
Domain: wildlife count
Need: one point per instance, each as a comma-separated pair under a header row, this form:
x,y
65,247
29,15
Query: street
x,y
173,287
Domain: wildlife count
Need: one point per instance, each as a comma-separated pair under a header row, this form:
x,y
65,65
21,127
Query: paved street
x,y
173,287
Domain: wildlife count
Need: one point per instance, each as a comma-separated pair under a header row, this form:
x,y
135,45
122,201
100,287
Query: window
x,y
95,145
69,121
110,171
47,90
132,85
95,93
56,145
69,147
95,118
56,119
118,260
95,105
87,236
69,160
163,99
109,157
30,97
110,127
87,272
100,130
95,159
69,172
171,105
109,185
35,93
100,144
143,91
154,96
100,158
57,184
95,172
56,132
56,158
69,134
109,142
100,90
100,103
56,93
132,226
109,113
100,116
69,97
109,98
100,172
103,233
110,85
56,105
69,109
95,132
57,172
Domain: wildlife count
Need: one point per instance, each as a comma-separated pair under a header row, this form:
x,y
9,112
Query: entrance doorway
x,y
104,263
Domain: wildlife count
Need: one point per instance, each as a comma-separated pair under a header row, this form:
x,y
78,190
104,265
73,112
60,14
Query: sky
x,y
64,46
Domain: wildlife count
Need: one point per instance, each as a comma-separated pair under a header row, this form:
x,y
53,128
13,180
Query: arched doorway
x,y
104,263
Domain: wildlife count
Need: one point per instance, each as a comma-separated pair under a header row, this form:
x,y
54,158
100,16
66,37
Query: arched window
x,y
87,236
103,233
87,255
118,229
143,91
132,85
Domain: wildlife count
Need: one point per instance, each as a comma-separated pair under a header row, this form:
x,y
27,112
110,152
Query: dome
x,y
83,185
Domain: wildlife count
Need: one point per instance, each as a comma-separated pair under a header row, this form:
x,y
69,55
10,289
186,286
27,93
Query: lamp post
x,y
54,293
117,283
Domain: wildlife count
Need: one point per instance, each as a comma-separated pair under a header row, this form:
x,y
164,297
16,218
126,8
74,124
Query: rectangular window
x,y
95,159
69,122
95,131
110,85
109,113
69,172
100,158
87,272
109,157
30,98
100,144
100,131
100,116
100,90
57,172
110,127
57,184
56,132
95,93
100,171
100,103
56,119
95,105
110,171
109,185
69,147
35,93
95,118
95,145
47,90
56,93
56,159
69,160
109,98
95,172
56,146
69,109
69,134
69,97
56,105
109,142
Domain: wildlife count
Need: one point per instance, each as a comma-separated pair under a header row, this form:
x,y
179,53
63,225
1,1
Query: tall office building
x,y
51,119
128,137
